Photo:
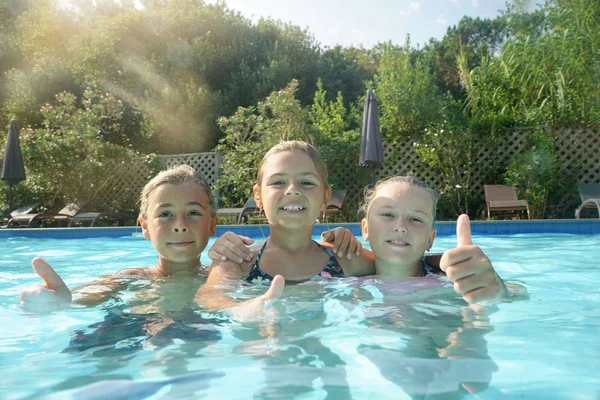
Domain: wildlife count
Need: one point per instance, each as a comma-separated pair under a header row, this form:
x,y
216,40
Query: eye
x,y
386,215
308,183
165,214
276,183
195,213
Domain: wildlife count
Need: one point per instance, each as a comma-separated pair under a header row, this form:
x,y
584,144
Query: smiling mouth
x,y
293,208
398,242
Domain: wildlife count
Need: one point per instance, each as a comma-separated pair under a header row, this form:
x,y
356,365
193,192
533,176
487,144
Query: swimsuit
x,y
332,268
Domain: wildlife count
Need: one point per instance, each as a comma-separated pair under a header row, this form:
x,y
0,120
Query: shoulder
x,y
143,272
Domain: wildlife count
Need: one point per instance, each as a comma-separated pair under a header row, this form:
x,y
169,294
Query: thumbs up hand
x,y
51,296
470,269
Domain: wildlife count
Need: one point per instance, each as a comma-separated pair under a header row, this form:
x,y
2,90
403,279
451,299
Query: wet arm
x,y
223,278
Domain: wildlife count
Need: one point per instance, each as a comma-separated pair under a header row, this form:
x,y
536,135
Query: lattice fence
x,y
127,183
577,148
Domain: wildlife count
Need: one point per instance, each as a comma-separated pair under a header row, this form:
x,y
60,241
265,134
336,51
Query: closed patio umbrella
x,y
371,149
13,170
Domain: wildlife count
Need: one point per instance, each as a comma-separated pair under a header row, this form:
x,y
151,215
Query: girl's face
x,y
291,192
399,224
178,221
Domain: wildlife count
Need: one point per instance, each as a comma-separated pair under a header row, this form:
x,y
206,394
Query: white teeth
x,y
293,208
398,242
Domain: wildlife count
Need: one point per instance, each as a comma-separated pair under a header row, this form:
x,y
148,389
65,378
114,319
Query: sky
x,y
368,22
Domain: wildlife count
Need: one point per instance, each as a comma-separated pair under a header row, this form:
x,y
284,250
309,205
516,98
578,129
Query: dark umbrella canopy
x,y
371,149
13,170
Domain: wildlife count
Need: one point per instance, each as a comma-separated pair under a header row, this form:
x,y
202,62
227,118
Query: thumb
x,y
276,288
46,272
326,235
245,239
463,231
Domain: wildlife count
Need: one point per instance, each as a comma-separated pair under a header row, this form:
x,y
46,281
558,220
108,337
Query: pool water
x,y
348,338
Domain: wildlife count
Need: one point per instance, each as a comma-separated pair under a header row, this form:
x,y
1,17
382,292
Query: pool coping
x,y
444,228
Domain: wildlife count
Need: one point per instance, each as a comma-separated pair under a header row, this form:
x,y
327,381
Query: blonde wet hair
x,y
176,175
310,150
371,194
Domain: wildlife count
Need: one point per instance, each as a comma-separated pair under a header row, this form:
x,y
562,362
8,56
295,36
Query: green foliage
x,y
338,144
547,71
447,149
70,158
535,173
406,93
250,133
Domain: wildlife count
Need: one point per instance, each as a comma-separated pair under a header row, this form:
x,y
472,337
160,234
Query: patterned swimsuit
x,y
332,268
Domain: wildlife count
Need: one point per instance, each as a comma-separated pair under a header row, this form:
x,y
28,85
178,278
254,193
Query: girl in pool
x,y
291,189
177,213
399,225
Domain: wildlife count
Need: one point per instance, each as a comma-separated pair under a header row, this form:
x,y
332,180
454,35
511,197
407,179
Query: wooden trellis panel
x,y
125,186
577,148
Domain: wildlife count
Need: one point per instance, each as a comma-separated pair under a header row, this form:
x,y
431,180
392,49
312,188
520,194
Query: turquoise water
x,y
351,338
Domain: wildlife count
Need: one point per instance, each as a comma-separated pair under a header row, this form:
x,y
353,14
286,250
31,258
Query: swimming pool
x,y
353,338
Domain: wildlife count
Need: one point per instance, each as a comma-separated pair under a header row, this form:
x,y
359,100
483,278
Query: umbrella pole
x,y
9,198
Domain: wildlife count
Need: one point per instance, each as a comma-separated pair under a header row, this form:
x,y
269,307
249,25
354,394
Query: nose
x,y
292,189
400,225
180,225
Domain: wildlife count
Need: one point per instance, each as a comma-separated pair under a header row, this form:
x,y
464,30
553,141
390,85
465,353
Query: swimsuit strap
x,y
332,268
256,272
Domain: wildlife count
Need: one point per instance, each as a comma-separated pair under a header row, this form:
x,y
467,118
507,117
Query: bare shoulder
x,y
143,272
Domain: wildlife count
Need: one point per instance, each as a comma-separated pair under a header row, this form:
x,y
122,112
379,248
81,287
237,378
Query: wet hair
x,y
292,145
370,194
176,175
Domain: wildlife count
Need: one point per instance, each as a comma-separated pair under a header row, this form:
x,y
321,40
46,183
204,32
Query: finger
x,y
327,236
246,240
232,253
276,288
463,230
358,248
342,243
46,272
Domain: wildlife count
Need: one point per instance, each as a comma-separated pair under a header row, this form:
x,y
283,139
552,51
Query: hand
x,y
51,296
232,247
344,242
470,269
255,308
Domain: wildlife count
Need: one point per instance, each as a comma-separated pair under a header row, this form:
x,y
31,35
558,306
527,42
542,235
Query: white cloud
x,y
456,3
413,7
441,20
475,3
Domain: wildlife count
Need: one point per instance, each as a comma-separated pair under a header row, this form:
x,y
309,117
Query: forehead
x,y
176,193
400,193
291,162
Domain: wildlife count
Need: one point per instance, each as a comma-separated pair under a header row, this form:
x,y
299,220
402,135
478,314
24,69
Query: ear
x,y
327,196
257,199
213,226
431,239
365,228
144,226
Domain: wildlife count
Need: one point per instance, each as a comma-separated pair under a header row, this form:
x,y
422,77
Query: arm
x,y
472,272
223,278
54,293
344,245
230,246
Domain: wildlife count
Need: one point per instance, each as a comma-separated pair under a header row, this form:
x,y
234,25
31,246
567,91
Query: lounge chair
x,y
503,198
334,207
590,197
92,218
62,218
69,216
26,209
242,213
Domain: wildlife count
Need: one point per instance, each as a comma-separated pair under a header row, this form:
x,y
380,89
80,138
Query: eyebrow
x,y
301,174
413,210
191,203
